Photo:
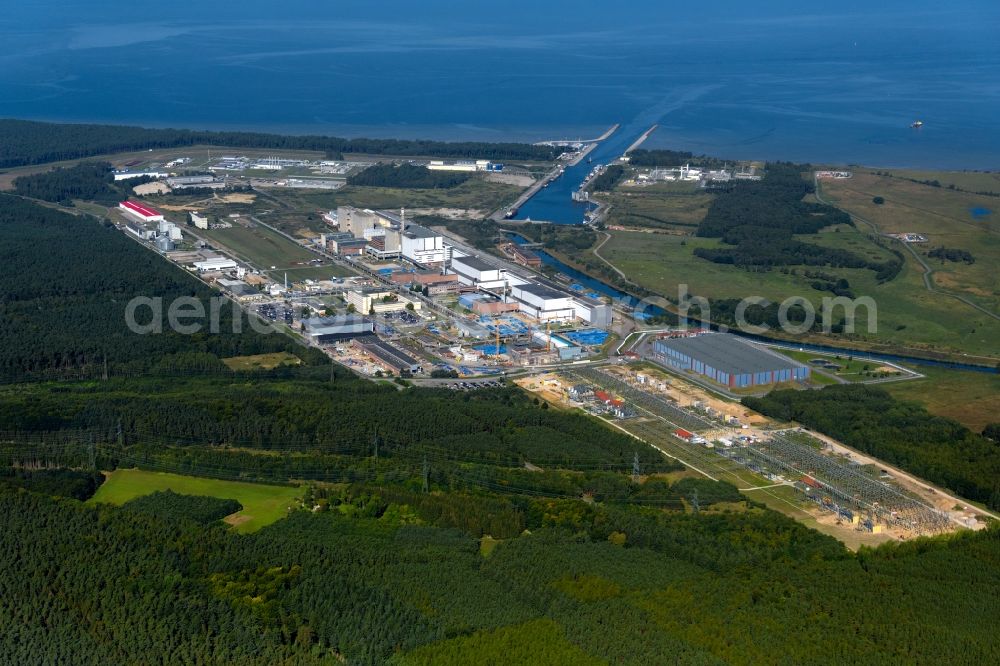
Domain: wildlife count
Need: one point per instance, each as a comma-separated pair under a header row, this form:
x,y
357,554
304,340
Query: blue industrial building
x,y
728,360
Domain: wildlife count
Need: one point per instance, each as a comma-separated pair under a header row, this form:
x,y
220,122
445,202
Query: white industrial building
x,y
128,175
594,312
199,221
423,246
543,303
215,264
477,272
460,165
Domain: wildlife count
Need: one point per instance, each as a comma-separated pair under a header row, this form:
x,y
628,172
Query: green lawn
x,y
260,246
262,504
910,318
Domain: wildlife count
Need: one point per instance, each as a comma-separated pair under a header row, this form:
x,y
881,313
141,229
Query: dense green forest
x,y
66,283
606,181
426,539
29,142
760,220
172,506
901,433
89,181
641,157
408,176
391,576
952,254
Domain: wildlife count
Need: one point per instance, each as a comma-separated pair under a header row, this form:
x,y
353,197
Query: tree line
x,y
24,142
761,219
408,176
67,281
89,181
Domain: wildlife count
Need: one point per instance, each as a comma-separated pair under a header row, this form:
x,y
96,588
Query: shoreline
x,y
461,132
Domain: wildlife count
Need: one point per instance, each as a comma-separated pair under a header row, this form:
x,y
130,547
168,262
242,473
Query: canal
x,y
555,204
629,301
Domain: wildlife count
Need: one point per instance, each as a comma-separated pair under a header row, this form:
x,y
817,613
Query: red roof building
x,y
144,213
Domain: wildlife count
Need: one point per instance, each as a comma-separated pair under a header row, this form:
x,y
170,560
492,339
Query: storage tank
x,y
164,244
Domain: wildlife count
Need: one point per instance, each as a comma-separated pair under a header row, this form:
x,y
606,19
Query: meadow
x,y
971,398
910,318
260,246
948,218
262,504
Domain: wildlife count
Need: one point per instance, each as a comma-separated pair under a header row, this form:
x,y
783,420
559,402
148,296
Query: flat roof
x,y
391,355
542,291
420,231
729,353
142,210
475,263
327,322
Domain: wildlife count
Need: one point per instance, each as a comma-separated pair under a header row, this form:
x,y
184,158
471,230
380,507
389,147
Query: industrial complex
x,y
388,296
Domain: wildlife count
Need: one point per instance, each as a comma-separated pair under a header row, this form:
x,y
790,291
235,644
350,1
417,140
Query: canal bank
x,y
627,301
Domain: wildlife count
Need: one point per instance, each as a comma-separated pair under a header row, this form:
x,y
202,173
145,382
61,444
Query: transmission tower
x,y
635,467
695,505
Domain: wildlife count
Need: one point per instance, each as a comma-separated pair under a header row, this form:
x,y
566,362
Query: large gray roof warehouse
x,y
728,359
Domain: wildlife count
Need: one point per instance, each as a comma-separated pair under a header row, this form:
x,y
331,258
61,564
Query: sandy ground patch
x,y
236,519
151,188
510,179
238,198
451,213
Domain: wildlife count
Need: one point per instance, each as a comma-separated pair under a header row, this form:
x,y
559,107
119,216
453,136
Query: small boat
x,y
917,124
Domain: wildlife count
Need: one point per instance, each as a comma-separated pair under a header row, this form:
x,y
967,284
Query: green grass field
x,y
910,318
476,194
261,361
657,206
260,246
262,504
851,369
971,398
943,215
320,272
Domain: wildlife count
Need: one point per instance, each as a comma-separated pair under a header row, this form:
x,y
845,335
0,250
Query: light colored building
x,y
464,165
128,175
139,230
594,312
423,246
357,221
478,272
215,264
368,301
199,221
543,303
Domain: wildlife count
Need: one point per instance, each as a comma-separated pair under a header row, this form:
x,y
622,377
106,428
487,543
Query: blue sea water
x,y
836,82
